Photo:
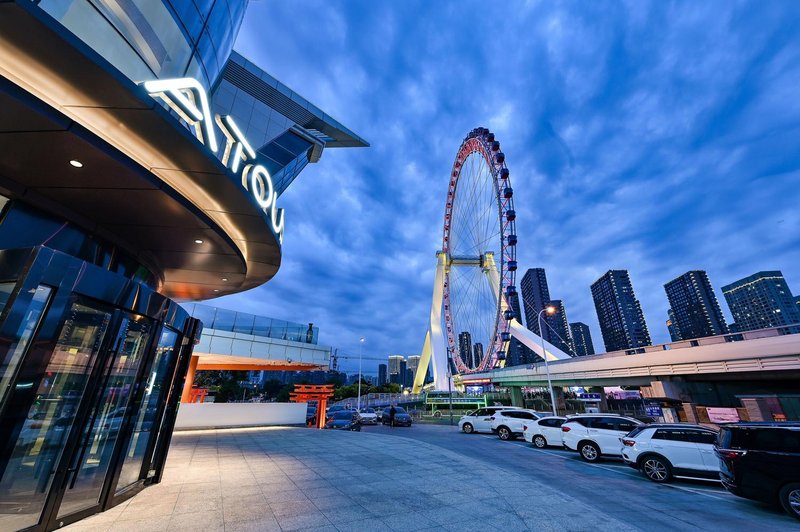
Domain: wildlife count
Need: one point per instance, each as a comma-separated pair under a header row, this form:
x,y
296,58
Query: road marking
x,y
696,491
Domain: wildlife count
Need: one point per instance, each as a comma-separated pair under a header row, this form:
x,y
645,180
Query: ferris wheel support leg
x,y
424,363
528,338
434,339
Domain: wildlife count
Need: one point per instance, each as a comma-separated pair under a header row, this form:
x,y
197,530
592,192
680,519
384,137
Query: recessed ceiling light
x,y
224,278
198,241
216,290
76,163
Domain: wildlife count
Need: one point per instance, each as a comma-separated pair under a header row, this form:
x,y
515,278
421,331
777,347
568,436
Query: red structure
x,y
320,393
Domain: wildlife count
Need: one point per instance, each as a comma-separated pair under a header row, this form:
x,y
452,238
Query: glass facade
x,y
87,390
148,39
694,310
762,300
220,319
619,312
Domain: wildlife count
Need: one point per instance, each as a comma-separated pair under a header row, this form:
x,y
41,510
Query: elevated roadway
x,y
767,353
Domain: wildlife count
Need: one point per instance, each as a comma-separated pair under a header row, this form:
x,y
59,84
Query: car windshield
x,y
344,414
397,410
367,411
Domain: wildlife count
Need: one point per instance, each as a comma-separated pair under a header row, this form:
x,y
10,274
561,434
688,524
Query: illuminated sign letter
x,y
277,225
234,137
188,98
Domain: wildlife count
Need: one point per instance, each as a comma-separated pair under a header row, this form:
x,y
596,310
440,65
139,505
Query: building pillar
x,y
690,409
186,396
602,391
561,404
516,396
669,389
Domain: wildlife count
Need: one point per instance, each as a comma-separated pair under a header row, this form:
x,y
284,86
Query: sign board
x,y
593,397
722,415
653,410
188,98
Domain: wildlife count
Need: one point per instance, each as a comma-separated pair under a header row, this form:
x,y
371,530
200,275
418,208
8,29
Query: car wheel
x,y
504,434
539,441
790,499
657,469
467,428
590,452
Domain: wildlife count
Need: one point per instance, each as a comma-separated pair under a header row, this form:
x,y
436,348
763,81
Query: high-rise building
x,y
413,362
465,348
382,374
477,353
760,301
581,339
396,369
403,377
518,354
558,327
535,296
672,327
695,309
619,312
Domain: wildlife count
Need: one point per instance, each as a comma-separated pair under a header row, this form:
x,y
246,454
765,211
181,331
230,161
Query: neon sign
x,y
188,98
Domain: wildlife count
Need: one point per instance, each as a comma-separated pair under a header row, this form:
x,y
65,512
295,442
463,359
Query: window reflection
x,y
29,472
157,385
33,315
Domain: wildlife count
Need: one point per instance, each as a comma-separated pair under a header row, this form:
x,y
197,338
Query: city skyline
x,y
599,134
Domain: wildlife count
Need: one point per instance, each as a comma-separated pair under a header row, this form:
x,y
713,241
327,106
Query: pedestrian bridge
x,y
771,352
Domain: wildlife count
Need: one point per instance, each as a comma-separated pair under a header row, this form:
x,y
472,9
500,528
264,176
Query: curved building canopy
x,y
146,183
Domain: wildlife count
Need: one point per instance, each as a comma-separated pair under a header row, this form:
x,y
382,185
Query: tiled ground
x,y
301,479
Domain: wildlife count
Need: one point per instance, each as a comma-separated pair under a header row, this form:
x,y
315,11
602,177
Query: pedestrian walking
x,y
392,412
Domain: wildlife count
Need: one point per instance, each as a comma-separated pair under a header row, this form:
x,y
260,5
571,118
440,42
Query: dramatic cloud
x,y
652,136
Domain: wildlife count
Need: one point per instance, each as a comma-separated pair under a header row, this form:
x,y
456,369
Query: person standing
x,y
392,413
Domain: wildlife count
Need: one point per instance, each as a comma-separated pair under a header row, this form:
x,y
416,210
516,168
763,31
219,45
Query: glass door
x,y
106,421
37,434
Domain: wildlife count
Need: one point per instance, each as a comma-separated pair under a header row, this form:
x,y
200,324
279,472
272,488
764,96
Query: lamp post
x,y
360,346
550,310
450,383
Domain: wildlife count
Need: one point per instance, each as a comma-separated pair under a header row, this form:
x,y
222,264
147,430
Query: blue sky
x,y
656,137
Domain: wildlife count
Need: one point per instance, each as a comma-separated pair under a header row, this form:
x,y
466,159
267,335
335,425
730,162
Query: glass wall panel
x,y
107,417
33,316
244,323
29,472
157,385
224,320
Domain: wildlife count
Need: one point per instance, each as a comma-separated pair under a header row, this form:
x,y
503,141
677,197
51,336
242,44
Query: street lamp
x,y
550,311
358,401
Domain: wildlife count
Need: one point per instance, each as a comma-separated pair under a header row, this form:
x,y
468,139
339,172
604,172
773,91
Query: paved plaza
x,y
301,479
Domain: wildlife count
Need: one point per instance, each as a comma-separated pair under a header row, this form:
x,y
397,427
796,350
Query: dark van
x,y
761,461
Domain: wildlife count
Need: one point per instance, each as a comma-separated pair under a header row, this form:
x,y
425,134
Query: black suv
x,y
761,461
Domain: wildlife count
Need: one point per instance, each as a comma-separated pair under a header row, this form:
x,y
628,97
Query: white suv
x,y
480,420
545,431
595,435
508,424
662,451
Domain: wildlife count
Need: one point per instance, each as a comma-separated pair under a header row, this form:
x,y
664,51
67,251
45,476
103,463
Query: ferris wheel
x,y
479,242
475,305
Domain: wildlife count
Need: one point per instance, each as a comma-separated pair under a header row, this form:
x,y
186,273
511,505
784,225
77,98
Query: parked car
x,y
311,415
401,417
333,409
596,435
544,431
761,461
508,424
344,420
480,420
662,451
368,416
